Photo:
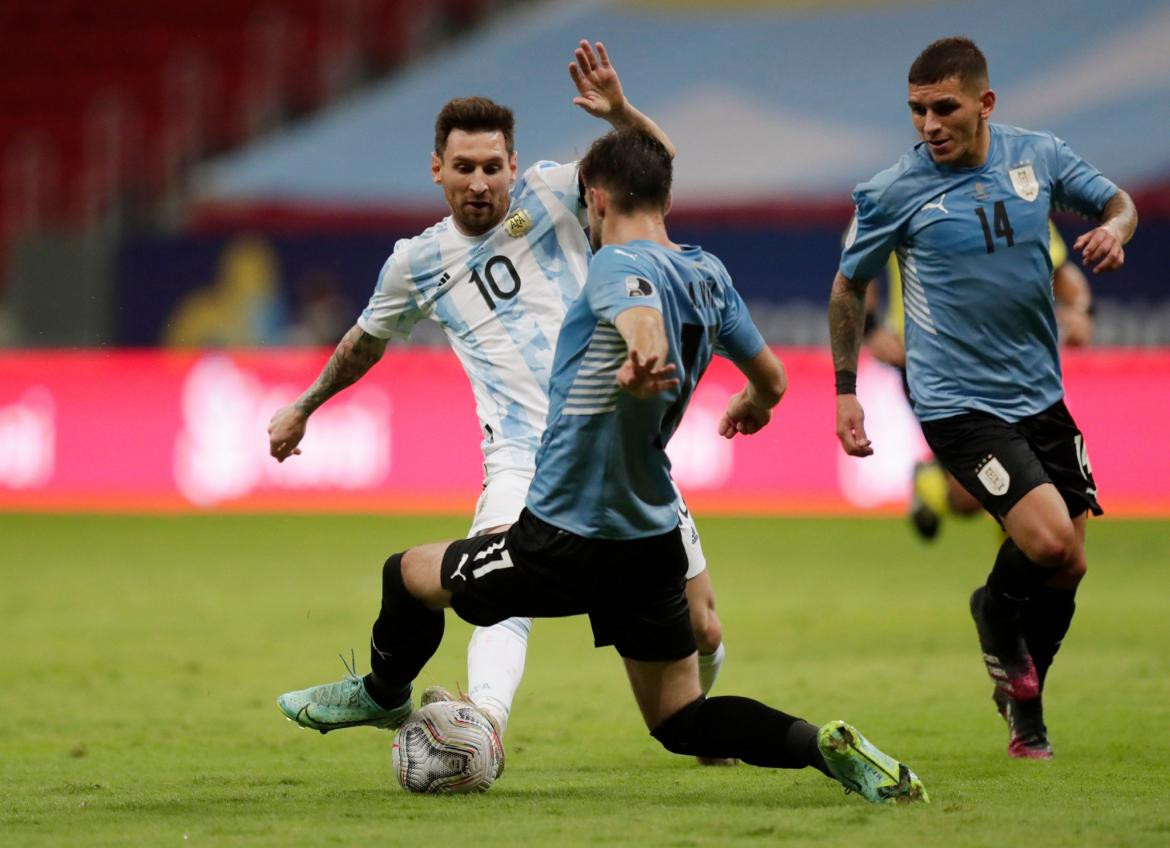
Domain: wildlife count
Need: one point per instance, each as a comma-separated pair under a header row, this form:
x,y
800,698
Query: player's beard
x,y
476,222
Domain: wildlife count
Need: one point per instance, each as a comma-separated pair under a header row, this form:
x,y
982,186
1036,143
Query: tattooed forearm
x,y
1120,215
355,354
846,322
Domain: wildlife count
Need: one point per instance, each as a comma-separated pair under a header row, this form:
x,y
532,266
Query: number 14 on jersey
x,y
1003,227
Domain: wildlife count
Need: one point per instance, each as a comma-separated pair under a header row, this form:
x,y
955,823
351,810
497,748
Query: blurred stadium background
x,y
196,198
195,201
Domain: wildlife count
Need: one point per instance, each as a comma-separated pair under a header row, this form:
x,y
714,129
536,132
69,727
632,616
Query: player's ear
x,y
512,167
669,203
986,103
597,200
436,168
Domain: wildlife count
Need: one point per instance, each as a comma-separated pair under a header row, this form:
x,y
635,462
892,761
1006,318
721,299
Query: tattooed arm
x,y
355,354
1101,248
846,327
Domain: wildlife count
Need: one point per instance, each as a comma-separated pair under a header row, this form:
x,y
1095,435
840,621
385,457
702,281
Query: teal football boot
x,y
346,703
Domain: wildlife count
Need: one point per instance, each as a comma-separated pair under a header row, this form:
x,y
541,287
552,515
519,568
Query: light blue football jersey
x,y
500,299
602,469
972,247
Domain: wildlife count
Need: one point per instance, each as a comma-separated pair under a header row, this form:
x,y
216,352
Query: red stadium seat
x,y
117,99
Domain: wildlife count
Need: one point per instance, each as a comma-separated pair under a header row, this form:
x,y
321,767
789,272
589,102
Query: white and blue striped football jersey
x,y
973,250
500,298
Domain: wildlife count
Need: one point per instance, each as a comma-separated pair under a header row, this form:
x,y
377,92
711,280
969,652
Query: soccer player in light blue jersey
x,y
498,275
966,212
599,535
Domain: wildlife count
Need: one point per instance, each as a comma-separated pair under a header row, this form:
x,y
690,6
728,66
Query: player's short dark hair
x,y
474,114
950,57
633,166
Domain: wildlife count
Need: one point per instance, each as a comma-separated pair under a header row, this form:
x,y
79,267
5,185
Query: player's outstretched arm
x,y
644,332
750,410
599,92
1102,247
355,354
846,327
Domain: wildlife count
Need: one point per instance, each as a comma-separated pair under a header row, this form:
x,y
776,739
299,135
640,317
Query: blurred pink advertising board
x,y
164,431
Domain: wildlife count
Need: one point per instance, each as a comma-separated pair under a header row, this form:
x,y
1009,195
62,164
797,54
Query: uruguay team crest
x,y
518,223
993,475
1024,182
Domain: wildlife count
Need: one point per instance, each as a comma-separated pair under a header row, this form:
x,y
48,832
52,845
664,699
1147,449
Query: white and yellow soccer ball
x,y
447,747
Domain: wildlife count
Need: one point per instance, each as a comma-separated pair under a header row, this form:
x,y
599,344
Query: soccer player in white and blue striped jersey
x,y
498,275
966,212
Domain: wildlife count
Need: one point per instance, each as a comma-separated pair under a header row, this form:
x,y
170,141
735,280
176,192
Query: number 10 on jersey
x,y
489,283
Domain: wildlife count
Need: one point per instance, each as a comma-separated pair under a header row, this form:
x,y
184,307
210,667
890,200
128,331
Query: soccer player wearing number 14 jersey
x,y
966,212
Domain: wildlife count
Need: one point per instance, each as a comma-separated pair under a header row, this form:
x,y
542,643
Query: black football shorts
x,y
631,589
999,461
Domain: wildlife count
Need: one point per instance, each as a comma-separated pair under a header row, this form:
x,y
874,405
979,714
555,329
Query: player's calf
x,y
732,726
1005,655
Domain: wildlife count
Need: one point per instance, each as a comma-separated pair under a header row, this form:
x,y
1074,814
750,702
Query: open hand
x,y
600,90
643,378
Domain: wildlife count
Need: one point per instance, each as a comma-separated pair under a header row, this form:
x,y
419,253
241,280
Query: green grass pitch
x,y
141,657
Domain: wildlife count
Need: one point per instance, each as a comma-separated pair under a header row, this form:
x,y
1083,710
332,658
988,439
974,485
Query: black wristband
x,y
846,382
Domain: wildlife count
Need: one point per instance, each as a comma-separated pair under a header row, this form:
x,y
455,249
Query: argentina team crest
x,y
518,223
1024,182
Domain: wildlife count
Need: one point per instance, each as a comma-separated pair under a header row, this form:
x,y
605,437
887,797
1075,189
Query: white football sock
x,y
495,664
709,665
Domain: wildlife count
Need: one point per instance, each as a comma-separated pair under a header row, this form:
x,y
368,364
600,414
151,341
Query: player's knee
x,y
677,732
1074,572
1055,547
708,629
393,584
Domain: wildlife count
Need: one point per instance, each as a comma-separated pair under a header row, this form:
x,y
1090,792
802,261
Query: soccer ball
x,y
447,747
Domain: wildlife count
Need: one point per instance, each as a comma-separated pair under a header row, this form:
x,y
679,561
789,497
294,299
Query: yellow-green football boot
x,y
860,767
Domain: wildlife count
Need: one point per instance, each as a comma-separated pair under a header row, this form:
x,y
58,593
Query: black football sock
x,y
1014,578
1045,621
733,727
405,636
